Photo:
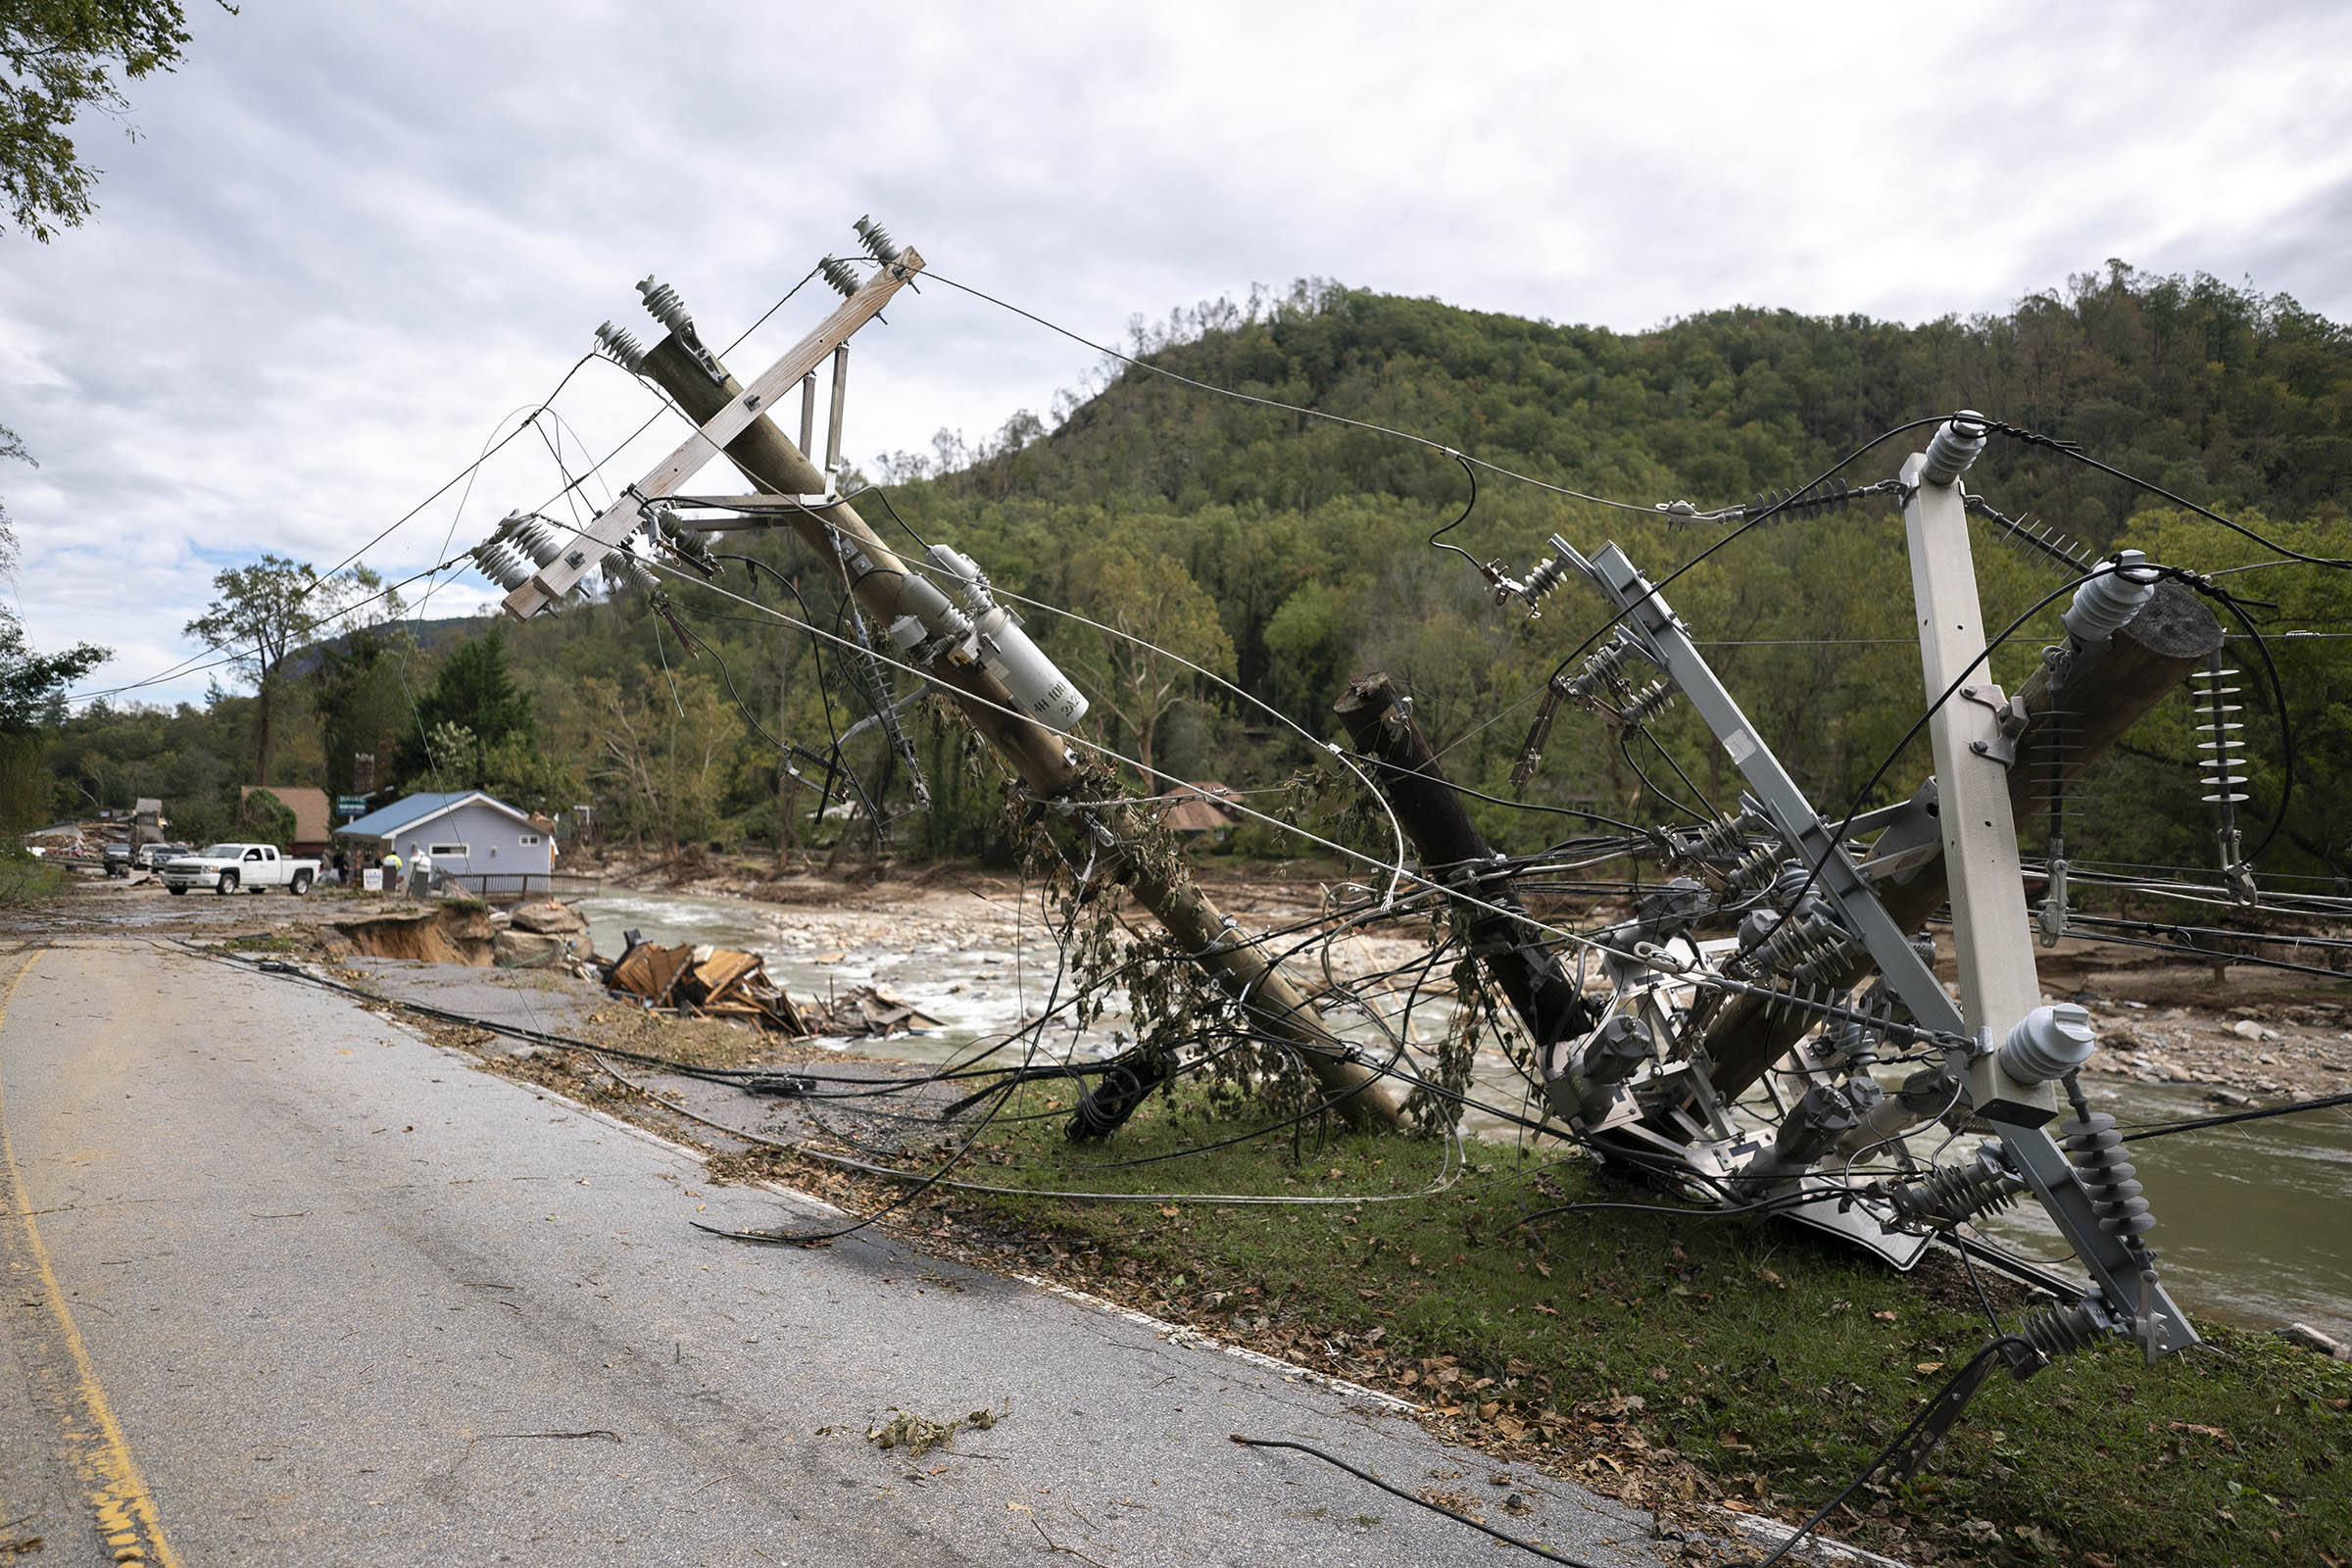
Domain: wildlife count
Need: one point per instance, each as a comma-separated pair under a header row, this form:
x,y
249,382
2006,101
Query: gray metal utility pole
x,y
1992,934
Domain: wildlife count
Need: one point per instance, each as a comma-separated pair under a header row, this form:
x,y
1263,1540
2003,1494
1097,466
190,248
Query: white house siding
x,y
497,861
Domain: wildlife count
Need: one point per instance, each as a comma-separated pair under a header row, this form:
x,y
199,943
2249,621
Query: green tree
x,y
264,818
362,700
472,712
62,56
32,689
663,757
262,613
1161,624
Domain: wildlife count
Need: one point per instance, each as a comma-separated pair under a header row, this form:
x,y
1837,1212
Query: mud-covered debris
x,y
707,983
872,1011
919,1435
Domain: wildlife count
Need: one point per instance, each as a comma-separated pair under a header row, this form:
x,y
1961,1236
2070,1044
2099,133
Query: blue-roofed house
x,y
474,838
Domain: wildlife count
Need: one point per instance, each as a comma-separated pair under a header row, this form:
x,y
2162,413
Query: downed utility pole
x,y
2095,692
1454,856
734,419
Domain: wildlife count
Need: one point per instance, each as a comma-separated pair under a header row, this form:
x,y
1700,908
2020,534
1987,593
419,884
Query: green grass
x,y
268,942
26,878
1668,1355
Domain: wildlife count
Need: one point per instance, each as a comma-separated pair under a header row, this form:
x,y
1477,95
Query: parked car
x,y
151,857
239,868
117,859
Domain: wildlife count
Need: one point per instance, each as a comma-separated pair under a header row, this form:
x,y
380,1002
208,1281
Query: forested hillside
x,y
1286,554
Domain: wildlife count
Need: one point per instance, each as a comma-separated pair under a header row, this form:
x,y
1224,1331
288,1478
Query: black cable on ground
x,y
1544,1552
1903,1441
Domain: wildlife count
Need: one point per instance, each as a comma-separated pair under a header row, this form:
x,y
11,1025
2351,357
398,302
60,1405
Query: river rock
x,y
2246,1029
549,918
527,950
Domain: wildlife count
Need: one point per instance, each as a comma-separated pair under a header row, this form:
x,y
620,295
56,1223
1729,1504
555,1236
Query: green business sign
x,y
351,806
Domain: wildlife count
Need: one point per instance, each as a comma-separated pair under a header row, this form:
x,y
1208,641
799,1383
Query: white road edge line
x,y
1771,1532
1817,1548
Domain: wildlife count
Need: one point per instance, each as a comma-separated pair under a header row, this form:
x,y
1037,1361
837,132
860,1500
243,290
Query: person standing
x,y
424,873
392,883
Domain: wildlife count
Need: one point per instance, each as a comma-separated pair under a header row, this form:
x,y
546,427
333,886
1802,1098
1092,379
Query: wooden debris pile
x,y
707,983
872,1011
725,983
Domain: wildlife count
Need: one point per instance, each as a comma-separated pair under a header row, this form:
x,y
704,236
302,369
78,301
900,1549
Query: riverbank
x,y
2245,1034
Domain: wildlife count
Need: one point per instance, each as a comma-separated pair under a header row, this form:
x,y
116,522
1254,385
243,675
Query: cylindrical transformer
x,y
1038,688
1006,650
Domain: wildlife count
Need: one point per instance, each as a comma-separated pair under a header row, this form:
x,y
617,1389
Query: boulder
x,y
528,950
548,918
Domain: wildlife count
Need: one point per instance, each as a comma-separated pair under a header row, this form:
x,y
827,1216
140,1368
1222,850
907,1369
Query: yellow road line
x,y
126,1515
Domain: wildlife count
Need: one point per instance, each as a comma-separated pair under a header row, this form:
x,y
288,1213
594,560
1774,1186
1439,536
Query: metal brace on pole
x,y
613,525
1667,641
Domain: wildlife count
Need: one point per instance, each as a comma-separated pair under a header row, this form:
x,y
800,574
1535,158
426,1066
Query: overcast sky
x,y
351,241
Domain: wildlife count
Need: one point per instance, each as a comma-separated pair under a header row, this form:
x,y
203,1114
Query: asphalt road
x,y
287,1284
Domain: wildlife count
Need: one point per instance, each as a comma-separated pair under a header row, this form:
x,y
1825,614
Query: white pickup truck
x,y
231,868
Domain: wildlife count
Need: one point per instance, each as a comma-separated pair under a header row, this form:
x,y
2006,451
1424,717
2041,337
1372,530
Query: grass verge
x,y
26,878
1665,1357
1659,1356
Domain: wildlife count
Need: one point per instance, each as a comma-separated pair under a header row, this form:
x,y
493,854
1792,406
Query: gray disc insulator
x,y
1957,442
538,541
625,351
2104,605
2048,1042
662,304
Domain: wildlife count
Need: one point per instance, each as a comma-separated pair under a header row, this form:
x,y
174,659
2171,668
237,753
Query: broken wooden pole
x,y
2097,694
1454,856
1036,755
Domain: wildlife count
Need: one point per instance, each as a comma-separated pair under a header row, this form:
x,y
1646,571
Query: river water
x,y
2254,1222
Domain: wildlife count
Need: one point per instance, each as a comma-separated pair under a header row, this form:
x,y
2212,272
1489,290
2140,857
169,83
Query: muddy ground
x,y
2246,1033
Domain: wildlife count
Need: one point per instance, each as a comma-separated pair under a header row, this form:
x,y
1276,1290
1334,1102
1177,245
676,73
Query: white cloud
x,y
353,240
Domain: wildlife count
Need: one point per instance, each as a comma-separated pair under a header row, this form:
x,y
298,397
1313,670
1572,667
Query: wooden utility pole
x,y
1038,756
1454,855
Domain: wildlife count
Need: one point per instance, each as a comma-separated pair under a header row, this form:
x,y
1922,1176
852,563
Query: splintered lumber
x,y
713,982
1038,756
651,973
724,968
2100,696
